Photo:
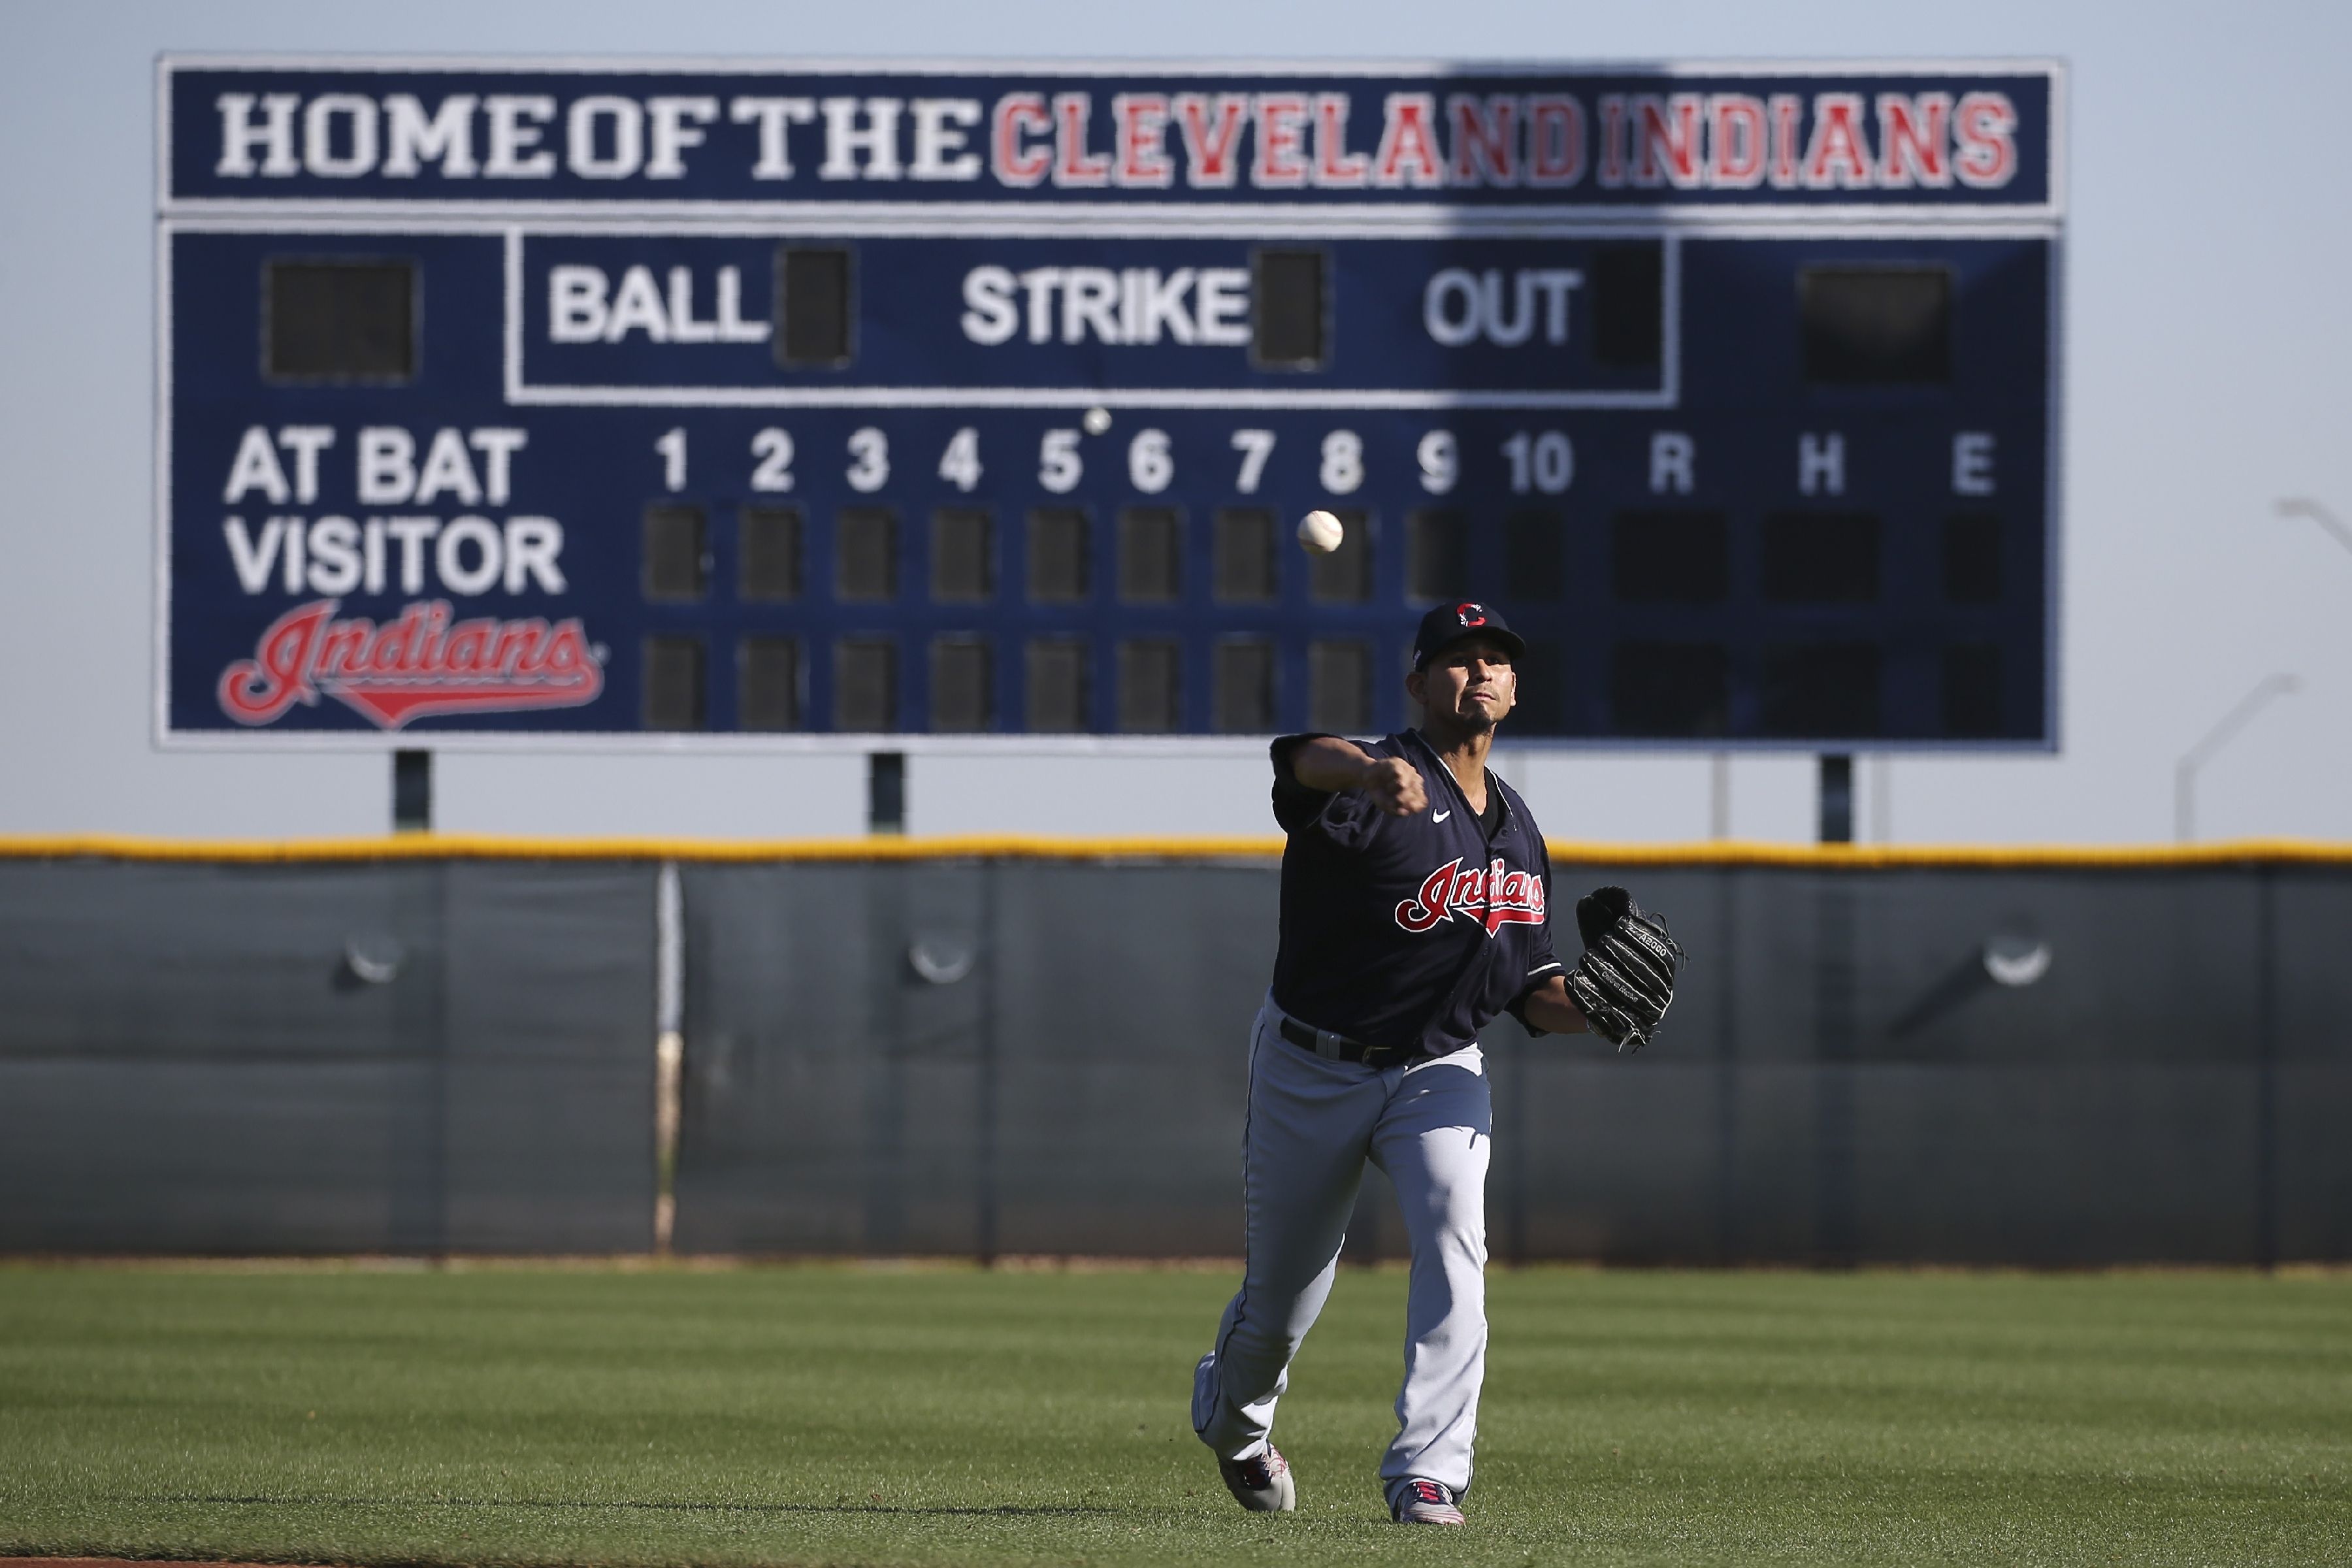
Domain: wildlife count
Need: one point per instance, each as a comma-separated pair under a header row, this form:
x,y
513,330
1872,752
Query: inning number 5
x,y
1058,465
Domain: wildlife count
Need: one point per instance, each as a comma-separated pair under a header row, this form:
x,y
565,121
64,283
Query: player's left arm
x,y
1547,1008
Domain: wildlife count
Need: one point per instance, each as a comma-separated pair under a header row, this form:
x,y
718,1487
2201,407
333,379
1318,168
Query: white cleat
x,y
1262,1482
1423,1501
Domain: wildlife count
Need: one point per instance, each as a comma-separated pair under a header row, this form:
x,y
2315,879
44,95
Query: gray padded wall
x,y
1841,1080
1078,1088
1027,1056
188,1064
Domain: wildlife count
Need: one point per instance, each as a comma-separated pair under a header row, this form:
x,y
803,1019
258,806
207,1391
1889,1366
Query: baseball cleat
x,y
1421,1501
1262,1482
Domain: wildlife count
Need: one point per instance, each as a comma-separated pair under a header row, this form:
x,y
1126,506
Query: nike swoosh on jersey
x,y
1443,815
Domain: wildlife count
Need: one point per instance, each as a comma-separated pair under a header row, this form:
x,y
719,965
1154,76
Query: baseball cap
x,y
1449,624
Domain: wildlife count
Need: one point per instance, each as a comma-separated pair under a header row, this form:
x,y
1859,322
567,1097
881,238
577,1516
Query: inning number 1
x,y
672,447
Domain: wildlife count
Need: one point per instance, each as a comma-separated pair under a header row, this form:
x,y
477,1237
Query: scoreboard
x,y
508,403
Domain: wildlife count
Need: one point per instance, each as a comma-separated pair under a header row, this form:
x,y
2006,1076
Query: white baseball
x,y
1320,532
1097,421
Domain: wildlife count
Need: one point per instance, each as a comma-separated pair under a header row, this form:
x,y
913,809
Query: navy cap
x,y
1449,624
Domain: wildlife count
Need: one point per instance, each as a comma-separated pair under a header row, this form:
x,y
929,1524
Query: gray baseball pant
x,y
1312,1122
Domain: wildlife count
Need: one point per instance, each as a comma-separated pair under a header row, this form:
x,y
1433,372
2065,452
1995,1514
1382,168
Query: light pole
x,y
2184,772
2302,506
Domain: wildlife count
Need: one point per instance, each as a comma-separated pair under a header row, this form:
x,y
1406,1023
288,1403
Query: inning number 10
x,y
1548,459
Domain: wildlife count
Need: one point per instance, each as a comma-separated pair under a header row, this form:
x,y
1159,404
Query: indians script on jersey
x,y
1509,898
415,664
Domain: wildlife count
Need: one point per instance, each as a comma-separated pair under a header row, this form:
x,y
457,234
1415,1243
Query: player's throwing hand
x,y
1394,786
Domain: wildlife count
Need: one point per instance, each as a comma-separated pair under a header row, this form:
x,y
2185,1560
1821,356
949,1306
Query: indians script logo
x,y
1510,898
417,664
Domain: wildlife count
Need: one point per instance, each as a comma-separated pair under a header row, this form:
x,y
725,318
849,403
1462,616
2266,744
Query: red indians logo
x,y
1471,615
1510,898
410,667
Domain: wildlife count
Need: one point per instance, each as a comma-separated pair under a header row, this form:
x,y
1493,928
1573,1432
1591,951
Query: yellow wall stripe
x,y
1015,847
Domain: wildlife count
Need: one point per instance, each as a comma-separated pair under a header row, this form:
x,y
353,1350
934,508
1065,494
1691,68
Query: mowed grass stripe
x,y
847,1415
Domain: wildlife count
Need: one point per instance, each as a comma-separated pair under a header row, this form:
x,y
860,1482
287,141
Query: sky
x,y
2208,332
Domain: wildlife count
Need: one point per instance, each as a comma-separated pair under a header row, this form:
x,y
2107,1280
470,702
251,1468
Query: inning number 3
x,y
871,471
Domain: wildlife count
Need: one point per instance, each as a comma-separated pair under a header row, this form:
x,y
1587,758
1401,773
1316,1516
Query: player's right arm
x,y
1329,765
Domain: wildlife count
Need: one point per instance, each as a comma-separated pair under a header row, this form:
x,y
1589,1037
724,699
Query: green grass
x,y
865,1415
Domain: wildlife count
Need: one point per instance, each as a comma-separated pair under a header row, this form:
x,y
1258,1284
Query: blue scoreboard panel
x,y
504,401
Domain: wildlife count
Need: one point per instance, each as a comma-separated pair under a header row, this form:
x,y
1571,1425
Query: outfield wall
x,y
994,1047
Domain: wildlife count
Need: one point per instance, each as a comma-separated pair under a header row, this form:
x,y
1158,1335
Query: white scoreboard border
x,y
1988,221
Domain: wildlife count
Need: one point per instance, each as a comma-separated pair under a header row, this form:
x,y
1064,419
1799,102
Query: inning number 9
x,y
1441,463
1343,462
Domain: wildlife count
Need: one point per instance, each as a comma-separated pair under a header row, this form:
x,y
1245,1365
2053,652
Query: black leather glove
x,y
1625,981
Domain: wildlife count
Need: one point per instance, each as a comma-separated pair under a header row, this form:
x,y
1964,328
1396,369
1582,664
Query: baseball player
x,y
1415,907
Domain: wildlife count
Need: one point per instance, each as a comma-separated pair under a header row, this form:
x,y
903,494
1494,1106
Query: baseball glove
x,y
1625,981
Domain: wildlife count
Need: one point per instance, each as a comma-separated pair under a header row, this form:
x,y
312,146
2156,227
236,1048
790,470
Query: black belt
x,y
1339,1048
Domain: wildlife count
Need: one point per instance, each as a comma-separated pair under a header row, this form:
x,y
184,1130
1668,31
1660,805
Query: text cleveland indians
x,y
1288,140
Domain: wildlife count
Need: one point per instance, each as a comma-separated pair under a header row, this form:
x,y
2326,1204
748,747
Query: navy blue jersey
x,y
1408,931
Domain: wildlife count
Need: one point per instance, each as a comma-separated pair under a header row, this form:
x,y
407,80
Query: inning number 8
x,y
1343,462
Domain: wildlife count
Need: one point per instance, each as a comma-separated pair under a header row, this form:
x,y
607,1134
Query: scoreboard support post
x,y
885,792
412,791
1837,797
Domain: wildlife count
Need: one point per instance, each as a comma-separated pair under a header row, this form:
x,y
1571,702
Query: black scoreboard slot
x,y
1972,559
1815,690
677,558
1058,556
674,683
1437,555
1972,690
1628,292
1669,558
865,684
1245,555
1535,555
1150,555
963,556
1290,322
865,555
1056,691
1149,670
961,686
768,555
813,307
768,684
1339,686
1875,326
339,321
1667,689
1244,694
1821,557
1344,576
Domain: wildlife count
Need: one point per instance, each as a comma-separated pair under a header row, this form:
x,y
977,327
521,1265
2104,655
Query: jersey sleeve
x,y
1347,817
1542,962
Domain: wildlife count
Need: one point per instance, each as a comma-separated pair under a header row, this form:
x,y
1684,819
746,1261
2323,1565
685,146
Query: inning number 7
x,y
1256,447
